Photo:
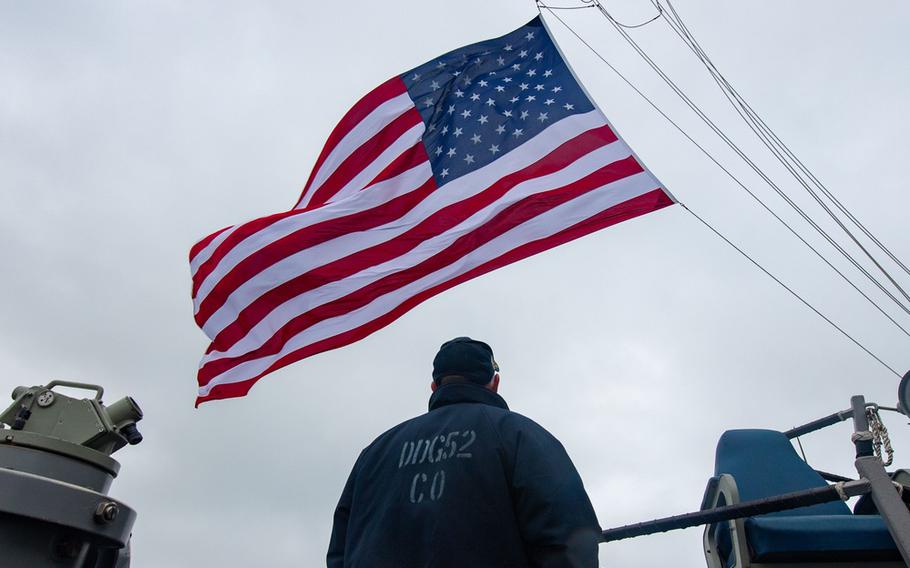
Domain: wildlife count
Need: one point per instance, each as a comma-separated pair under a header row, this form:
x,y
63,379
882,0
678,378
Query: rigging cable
x,y
701,114
738,182
777,147
678,26
660,12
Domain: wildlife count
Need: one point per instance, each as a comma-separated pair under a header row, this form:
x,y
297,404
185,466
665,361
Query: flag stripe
x,y
261,296
545,226
279,250
366,117
632,208
530,152
268,290
404,131
493,224
199,254
249,237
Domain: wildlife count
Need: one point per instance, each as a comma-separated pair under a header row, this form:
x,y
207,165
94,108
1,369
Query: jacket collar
x,y
459,393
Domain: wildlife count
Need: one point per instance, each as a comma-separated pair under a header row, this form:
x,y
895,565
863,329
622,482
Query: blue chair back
x,y
764,464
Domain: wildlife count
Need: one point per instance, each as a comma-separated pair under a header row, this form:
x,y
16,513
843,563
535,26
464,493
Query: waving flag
x,y
472,161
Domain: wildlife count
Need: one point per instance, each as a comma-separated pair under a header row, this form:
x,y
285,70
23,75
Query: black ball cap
x,y
467,357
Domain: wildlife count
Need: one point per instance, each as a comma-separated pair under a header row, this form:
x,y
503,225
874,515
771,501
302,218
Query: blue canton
x,y
481,101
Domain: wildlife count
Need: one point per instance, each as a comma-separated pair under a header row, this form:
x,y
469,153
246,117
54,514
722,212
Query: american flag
x,y
467,163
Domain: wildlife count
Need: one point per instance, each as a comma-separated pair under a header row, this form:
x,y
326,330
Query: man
x,y
469,484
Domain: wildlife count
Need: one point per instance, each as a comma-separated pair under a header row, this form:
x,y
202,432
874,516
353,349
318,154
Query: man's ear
x,y
494,384
433,386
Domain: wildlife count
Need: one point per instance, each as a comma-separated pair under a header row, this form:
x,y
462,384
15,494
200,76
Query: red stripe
x,y
232,240
640,205
410,158
361,109
205,242
435,224
508,218
363,156
308,237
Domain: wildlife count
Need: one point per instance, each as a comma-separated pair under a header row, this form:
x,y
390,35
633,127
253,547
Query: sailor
x,y
468,484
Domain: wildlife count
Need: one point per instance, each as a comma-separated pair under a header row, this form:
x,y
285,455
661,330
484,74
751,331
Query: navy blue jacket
x,y
468,484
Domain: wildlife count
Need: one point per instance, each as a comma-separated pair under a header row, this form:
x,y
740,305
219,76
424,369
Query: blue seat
x,y
754,464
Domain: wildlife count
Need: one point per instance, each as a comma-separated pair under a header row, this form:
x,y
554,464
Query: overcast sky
x,y
129,130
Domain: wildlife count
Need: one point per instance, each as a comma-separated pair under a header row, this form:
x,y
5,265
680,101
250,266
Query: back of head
x,y
464,360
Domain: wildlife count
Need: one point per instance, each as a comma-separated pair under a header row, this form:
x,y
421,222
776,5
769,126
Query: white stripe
x,y
381,193
367,174
282,314
541,226
455,191
206,252
363,131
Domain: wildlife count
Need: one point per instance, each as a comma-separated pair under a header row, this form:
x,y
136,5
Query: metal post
x,y
890,506
862,437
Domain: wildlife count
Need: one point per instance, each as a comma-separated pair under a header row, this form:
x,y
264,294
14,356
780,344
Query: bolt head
x,y
106,512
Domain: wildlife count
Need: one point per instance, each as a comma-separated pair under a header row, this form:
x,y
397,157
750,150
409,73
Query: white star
x,y
451,152
494,148
416,77
475,97
445,129
523,86
444,172
466,113
523,53
516,66
548,102
543,117
507,113
530,36
524,114
469,159
500,88
483,119
459,93
513,100
538,56
508,47
457,132
483,83
475,139
500,60
530,98
451,109
456,73
490,102
428,102
434,85
500,129
478,61
506,79
548,72
438,150
538,88
531,72
467,81
568,106
517,132
557,89
432,127
440,65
